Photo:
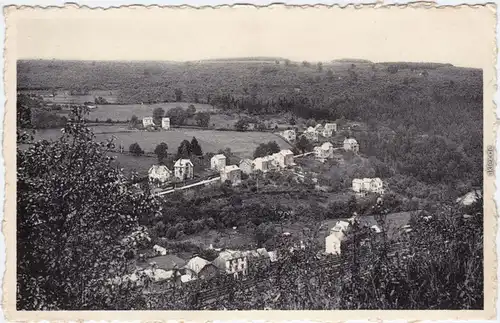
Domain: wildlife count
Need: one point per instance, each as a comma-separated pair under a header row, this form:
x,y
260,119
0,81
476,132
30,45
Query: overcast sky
x,y
463,37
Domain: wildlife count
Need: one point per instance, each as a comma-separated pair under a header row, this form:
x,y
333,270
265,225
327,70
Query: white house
x,y
324,151
284,158
329,129
311,134
159,250
147,121
374,185
357,185
232,262
351,144
159,173
231,173
333,241
165,123
289,135
183,169
218,162
263,164
377,186
246,166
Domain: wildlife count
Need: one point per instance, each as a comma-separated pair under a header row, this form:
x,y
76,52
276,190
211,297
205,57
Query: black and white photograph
x,y
238,159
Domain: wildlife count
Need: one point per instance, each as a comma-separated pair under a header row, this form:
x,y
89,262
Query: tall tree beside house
x,y
195,147
161,152
184,150
134,121
67,251
266,149
135,149
158,113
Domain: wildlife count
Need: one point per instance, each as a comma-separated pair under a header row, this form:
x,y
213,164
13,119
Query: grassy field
x,y
242,144
125,112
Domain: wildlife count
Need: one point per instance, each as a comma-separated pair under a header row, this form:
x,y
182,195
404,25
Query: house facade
x,y
232,262
351,144
218,162
246,166
165,123
366,185
284,158
201,268
159,174
333,242
329,129
324,151
231,173
264,164
183,169
289,135
311,134
147,122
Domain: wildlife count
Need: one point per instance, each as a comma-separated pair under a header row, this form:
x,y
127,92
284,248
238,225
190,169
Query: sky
x,y
463,37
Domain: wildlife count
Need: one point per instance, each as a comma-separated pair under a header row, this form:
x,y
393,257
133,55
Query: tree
x,y
266,149
303,144
287,62
241,125
184,150
161,152
134,121
67,251
195,147
177,116
202,119
306,64
158,113
320,67
135,149
191,110
178,95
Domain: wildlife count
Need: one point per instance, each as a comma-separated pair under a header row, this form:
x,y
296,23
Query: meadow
x,y
242,144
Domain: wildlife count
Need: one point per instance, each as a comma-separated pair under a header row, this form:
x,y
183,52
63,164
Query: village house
x,y
289,135
470,198
183,169
329,129
231,173
159,174
264,164
350,144
366,185
218,162
148,122
165,123
284,158
324,151
202,268
338,233
246,166
311,134
232,262
258,257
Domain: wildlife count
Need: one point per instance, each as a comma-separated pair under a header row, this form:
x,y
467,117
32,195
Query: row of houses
x,y
149,122
183,170
368,185
171,268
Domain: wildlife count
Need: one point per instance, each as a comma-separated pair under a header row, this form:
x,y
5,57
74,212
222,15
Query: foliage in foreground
x,y
72,215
